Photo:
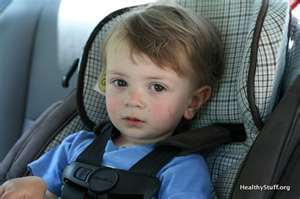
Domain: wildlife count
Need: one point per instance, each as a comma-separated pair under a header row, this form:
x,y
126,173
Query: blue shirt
x,y
183,177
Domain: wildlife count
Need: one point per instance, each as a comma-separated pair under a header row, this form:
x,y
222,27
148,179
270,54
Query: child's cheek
x,y
162,112
112,105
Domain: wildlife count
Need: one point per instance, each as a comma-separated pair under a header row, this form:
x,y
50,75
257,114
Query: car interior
x,y
50,61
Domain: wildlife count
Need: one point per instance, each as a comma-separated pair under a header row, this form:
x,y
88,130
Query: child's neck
x,y
118,141
122,141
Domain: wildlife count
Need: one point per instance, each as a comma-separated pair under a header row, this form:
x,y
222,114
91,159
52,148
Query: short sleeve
x,y
50,166
185,177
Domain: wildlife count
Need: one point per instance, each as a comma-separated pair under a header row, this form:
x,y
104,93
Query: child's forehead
x,y
121,48
140,65
127,64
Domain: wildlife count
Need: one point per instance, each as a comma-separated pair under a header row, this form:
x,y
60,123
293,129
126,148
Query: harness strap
x,y
72,191
191,141
205,139
103,182
94,152
155,160
86,176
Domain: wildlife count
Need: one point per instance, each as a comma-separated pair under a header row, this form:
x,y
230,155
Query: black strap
x,y
190,141
91,155
155,160
94,152
205,139
72,191
105,182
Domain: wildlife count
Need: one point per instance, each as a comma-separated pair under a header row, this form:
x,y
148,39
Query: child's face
x,y
145,102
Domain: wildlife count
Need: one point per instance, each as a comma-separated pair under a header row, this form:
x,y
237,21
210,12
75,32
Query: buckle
x,y
102,180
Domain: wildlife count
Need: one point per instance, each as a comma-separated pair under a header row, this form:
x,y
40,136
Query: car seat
x,y
255,35
17,40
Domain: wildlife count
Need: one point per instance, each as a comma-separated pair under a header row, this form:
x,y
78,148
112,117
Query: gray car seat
x,y
17,41
255,35
39,41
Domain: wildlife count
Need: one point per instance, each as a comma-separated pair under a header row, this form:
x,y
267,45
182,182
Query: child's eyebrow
x,y
116,73
123,74
154,78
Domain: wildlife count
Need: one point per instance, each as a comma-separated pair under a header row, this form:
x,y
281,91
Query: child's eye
x,y
157,87
119,83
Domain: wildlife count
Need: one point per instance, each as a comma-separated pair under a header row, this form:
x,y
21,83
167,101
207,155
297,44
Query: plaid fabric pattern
x,y
236,21
72,127
95,102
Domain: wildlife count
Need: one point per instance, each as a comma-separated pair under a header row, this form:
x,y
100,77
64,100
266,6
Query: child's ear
x,y
198,98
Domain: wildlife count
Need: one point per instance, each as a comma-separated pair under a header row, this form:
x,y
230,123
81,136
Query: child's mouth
x,y
132,121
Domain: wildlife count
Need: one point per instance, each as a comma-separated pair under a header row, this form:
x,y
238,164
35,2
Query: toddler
x,y
161,64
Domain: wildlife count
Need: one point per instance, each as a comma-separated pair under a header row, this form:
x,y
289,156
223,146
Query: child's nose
x,y
135,99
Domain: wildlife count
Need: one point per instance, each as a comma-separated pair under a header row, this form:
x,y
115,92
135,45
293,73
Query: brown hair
x,y
172,37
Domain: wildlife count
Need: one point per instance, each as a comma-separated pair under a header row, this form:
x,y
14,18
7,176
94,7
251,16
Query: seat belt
x,y
86,178
75,176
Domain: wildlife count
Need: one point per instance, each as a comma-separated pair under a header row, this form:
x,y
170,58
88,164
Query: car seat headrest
x,y
247,92
254,35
